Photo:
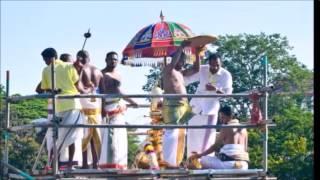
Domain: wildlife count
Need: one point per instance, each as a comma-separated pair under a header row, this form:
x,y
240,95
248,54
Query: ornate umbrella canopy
x,y
157,40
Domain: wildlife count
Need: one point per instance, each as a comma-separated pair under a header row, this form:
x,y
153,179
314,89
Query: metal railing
x,y
55,125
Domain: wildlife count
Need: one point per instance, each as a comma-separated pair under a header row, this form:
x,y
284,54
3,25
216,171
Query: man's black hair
x,y
64,57
226,110
49,53
110,53
83,53
214,56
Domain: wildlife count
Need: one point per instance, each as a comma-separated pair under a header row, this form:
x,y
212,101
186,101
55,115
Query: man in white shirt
x,y
214,79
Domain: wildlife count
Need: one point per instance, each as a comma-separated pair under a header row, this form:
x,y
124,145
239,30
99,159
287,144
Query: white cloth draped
x,y
198,139
68,136
114,151
229,150
173,146
93,104
64,153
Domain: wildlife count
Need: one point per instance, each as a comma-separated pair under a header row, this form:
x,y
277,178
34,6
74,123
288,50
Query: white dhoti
x,y
232,156
64,153
49,140
174,111
68,136
173,146
91,108
114,151
198,140
205,107
77,157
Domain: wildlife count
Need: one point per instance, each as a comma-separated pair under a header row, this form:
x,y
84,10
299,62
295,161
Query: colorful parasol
x,y
156,41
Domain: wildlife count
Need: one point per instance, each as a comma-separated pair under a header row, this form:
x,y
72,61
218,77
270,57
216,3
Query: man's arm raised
x,y
196,65
177,55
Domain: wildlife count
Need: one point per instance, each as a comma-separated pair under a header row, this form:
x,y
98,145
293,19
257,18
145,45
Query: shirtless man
x,y
232,143
90,77
114,153
175,110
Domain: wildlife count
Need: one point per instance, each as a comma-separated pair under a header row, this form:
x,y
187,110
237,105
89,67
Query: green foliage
x,y
23,147
23,151
290,144
153,79
241,57
133,146
291,141
23,112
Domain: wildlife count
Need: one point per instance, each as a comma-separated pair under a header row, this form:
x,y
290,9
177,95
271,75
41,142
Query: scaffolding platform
x,y
153,174
132,174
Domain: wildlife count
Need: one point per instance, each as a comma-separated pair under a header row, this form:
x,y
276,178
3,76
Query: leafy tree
x,y
241,57
23,147
291,141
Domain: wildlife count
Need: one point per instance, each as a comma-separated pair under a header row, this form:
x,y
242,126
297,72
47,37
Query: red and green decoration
x,y
157,40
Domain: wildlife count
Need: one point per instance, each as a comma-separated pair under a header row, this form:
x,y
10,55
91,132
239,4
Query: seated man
x,y
232,143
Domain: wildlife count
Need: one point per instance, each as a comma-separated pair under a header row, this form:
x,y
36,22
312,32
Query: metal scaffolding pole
x,y
7,126
55,125
55,128
21,173
265,108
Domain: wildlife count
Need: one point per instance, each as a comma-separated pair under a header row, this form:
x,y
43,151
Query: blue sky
x,y
29,27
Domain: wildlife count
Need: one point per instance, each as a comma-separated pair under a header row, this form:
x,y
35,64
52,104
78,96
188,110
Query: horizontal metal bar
x,y
17,98
169,126
236,95
21,127
139,106
168,172
174,173
226,171
40,96
152,95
